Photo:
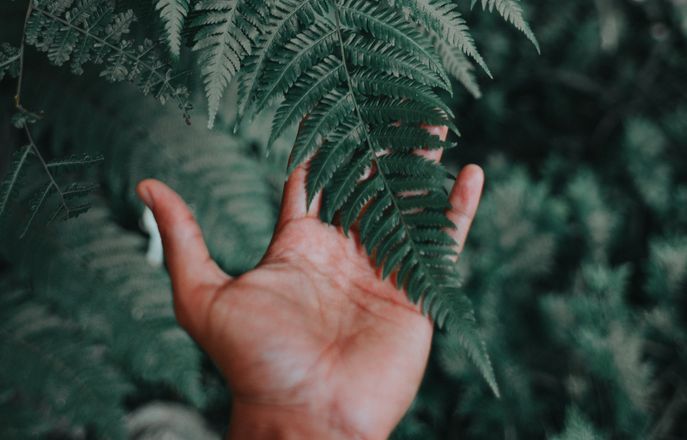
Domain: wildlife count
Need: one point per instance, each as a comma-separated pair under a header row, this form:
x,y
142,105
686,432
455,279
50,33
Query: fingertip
x,y
473,175
144,192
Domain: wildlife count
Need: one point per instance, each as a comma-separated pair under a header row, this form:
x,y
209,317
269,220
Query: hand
x,y
313,343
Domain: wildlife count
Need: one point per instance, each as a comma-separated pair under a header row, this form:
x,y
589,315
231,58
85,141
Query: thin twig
x,y
22,45
46,168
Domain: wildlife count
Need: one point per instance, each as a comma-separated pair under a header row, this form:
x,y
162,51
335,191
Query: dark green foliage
x,y
83,389
83,31
576,263
122,302
117,287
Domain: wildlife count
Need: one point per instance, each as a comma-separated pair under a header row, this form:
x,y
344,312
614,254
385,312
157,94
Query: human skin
x,y
313,343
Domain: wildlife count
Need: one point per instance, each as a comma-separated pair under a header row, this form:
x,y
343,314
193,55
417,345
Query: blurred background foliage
x,y
577,262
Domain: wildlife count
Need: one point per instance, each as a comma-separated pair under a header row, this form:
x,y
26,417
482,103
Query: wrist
x,y
275,422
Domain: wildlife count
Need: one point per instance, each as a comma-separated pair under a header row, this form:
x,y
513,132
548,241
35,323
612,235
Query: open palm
x,y
313,343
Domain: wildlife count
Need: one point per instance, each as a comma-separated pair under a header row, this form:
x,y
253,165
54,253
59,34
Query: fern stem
x,y
10,61
380,171
22,45
14,179
46,168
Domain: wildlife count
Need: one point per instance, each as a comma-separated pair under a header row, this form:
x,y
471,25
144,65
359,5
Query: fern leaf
x,y
443,19
173,13
223,39
364,52
394,138
337,150
284,20
369,82
342,185
392,110
458,66
330,113
463,326
308,90
512,12
386,25
298,55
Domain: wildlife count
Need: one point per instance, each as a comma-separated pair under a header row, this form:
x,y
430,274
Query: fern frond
x,y
224,37
352,70
442,18
369,82
354,79
385,25
284,20
458,66
362,51
86,31
512,12
394,138
462,326
306,92
173,13
578,427
61,379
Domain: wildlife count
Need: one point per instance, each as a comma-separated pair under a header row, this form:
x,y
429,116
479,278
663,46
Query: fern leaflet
x,y
173,13
511,11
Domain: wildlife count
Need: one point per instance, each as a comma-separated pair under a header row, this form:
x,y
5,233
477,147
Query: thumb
x,y
188,260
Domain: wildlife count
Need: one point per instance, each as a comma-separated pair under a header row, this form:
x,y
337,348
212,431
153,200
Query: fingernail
x,y
146,196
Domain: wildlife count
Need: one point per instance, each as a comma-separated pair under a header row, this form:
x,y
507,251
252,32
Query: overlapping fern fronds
x,y
93,31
